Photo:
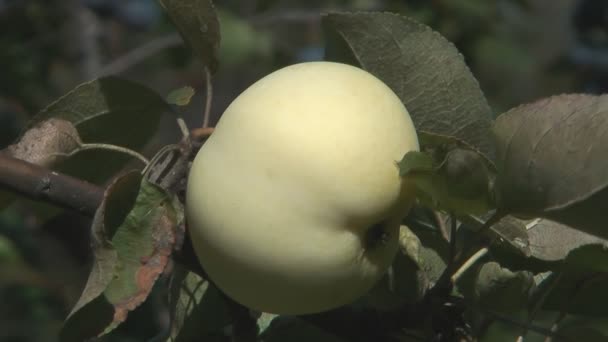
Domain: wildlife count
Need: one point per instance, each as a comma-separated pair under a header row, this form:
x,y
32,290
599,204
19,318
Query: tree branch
x,y
39,183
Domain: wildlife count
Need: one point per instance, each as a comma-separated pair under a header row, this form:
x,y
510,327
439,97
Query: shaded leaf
x,y
144,243
181,96
591,258
415,161
197,23
198,312
498,289
579,293
592,329
504,330
433,254
466,174
107,110
551,160
46,142
551,241
582,333
92,312
131,253
513,233
421,67
448,181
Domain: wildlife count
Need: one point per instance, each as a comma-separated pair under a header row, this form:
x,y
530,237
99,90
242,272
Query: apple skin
x,y
294,202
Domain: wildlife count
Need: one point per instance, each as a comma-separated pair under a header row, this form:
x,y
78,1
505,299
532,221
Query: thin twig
x,y
110,147
140,53
441,225
208,99
183,127
39,183
453,230
470,262
555,278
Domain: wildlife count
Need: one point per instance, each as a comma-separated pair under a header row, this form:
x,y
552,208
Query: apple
x,y
295,201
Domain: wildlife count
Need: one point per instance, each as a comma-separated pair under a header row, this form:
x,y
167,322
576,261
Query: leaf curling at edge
x,y
107,110
46,142
551,160
539,244
424,69
141,246
118,199
110,96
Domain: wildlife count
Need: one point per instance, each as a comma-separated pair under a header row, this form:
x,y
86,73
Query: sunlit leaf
x,y
425,70
551,159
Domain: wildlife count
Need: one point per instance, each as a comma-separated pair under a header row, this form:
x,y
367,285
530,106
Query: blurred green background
x,y
520,51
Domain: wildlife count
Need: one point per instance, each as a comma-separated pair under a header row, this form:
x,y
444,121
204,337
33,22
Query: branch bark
x,y
39,183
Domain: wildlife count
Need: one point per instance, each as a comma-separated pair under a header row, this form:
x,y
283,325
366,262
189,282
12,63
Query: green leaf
x,y
552,241
421,67
46,142
454,180
584,328
198,311
107,110
131,252
579,293
181,96
497,289
591,258
540,245
415,161
582,333
197,23
551,159
433,253
92,312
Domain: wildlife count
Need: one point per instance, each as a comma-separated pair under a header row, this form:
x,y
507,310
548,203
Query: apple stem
x,y
108,147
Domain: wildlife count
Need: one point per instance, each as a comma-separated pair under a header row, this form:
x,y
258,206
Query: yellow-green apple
x,y
294,202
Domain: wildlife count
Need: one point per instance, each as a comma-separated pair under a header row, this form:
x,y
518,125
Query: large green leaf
x,y
132,250
579,293
109,110
421,67
551,159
